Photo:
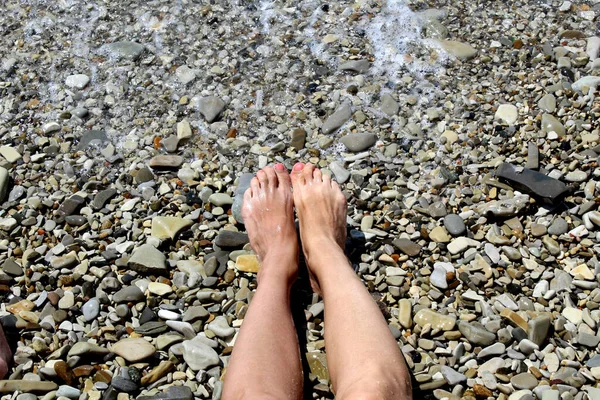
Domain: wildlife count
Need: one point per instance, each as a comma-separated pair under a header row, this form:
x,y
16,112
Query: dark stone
x,y
532,182
110,394
407,246
172,393
124,385
144,175
298,139
147,316
68,207
10,267
455,225
102,197
229,239
152,328
75,220
129,294
519,334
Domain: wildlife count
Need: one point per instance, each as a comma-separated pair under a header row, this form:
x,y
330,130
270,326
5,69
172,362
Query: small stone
x,y
558,227
531,182
247,263
230,239
407,246
220,327
405,313
128,294
166,161
210,107
298,139
198,355
507,114
220,199
538,329
357,142
337,119
524,381
360,66
122,50
340,173
436,320
77,81
476,335
185,74
462,51
574,315
133,349
159,289
10,154
147,259
168,227
551,124
455,225
547,103
389,106
91,309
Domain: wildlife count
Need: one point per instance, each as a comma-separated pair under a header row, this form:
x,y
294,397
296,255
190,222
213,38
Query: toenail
x,y
298,166
279,167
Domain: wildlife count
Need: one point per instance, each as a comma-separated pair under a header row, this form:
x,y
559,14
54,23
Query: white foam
x,y
395,35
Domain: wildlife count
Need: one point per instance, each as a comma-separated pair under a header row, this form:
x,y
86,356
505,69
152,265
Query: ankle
x,y
327,260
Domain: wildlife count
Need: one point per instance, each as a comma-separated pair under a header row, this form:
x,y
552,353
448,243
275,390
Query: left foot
x,y
268,213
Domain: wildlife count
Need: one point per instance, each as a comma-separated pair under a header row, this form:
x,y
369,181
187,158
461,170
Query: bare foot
x,y
268,213
321,208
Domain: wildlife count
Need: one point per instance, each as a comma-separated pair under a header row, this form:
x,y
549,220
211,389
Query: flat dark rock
x,y
172,393
102,197
152,328
231,239
407,246
532,182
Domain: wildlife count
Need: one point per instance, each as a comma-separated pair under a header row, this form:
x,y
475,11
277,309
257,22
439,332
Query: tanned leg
x,y
265,363
363,357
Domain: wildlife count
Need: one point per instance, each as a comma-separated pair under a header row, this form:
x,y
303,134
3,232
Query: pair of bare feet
x,y
268,214
364,360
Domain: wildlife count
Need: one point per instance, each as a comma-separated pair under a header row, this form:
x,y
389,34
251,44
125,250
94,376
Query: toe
x,y
272,180
308,171
254,186
263,179
283,176
326,180
297,176
318,175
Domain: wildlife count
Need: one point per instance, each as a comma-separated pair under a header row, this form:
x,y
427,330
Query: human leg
x,y
363,357
5,354
265,362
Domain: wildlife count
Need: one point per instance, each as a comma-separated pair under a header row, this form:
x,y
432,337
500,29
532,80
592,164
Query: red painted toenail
x,y
298,166
279,167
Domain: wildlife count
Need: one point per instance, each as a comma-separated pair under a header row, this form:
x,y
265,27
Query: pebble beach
x,y
464,135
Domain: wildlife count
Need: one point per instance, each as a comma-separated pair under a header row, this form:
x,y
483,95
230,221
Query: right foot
x,y
321,208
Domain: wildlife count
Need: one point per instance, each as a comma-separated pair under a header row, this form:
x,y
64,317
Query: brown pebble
x,y
229,276
481,392
64,372
102,376
83,370
517,44
232,133
53,298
